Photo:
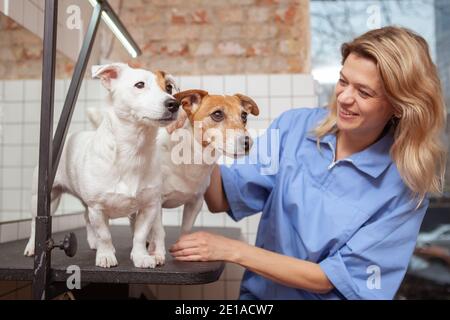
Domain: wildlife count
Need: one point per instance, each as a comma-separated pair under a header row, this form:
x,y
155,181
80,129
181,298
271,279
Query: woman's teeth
x,y
349,113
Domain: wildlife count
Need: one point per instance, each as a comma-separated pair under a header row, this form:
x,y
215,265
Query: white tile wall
x,y
15,230
280,85
20,104
13,90
235,84
13,112
11,202
302,85
258,85
278,105
190,82
212,83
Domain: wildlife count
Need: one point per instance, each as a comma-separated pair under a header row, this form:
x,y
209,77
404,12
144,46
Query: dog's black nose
x,y
172,105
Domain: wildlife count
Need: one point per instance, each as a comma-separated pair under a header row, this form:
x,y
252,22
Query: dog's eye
x,y
169,88
217,115
140,85
244,117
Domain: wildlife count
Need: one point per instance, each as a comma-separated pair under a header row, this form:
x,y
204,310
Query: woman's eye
x,y
342,82
217,115
244,117
140,85
363,94
169,89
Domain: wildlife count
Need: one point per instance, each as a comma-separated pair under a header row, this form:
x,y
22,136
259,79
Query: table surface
x,y
15,266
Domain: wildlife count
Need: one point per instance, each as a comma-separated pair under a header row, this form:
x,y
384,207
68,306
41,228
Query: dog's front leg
x,y
156,239
190,212
144,221
105,256
91,236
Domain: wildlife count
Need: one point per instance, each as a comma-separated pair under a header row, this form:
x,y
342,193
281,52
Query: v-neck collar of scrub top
x,y
373,160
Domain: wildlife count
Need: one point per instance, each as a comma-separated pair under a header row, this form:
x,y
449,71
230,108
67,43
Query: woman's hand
x,y
203,246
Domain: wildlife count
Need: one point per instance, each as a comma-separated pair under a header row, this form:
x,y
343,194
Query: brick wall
x,y
220,37
183,37
21,53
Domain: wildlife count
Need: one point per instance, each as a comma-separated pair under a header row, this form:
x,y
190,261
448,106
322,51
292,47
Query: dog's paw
x,y
105,259
29,249
143,260
160,259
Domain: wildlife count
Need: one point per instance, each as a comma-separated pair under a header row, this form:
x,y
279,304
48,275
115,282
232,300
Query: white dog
x,y
115,169
222,120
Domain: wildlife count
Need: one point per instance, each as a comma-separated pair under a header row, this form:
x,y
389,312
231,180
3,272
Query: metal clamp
x,y
69,244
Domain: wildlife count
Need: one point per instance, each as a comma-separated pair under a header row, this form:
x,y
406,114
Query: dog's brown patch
x,y
161,79
200,108
230,105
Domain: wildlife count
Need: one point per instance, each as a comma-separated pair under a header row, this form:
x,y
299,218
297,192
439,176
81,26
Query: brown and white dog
x,y
211,125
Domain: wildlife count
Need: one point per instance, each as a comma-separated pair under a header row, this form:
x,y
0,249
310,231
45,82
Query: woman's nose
x,y
346,96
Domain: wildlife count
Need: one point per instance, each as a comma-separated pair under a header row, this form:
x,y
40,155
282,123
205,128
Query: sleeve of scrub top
x,y
247,186
374,261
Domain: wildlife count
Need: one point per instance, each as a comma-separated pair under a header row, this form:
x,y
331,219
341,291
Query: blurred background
x,y
283,53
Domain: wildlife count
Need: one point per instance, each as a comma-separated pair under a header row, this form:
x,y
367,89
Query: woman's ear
x,y
248,104
190,100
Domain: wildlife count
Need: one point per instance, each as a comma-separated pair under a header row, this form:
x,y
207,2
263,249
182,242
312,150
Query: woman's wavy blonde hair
x,y
413,88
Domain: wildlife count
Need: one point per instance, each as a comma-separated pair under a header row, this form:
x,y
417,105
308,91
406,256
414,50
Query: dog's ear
x,y
170,79
164,79
179,123
248,104
107,73
189,99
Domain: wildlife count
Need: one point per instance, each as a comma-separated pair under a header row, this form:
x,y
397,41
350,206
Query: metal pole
x,y
50,150
42,256
74,88
107,8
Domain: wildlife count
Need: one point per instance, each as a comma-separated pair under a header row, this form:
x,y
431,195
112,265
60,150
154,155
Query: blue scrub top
x,y
354,217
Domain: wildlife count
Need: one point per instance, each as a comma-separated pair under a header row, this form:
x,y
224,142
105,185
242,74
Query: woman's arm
x,y
289,271
215,195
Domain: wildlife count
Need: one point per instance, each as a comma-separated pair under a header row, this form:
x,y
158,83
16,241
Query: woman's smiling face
x,y
363,109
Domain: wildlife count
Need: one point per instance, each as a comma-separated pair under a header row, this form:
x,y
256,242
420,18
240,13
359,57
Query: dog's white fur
x,y
186,183
115,169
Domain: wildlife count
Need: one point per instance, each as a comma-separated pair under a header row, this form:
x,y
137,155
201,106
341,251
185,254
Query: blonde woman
x,y
341,216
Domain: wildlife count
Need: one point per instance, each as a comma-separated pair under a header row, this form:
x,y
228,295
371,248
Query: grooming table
x,y
15,266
